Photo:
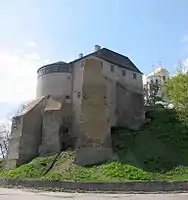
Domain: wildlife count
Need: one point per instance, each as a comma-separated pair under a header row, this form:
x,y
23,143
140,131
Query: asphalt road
x,y
17,194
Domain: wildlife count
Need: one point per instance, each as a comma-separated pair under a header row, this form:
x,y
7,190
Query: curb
x,y
130,186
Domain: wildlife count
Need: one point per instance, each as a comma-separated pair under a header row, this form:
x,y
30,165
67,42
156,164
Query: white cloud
x,y
46,61
18,76
33,56
32,44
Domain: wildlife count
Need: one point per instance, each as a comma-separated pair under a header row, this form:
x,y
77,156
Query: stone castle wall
x,y
94,140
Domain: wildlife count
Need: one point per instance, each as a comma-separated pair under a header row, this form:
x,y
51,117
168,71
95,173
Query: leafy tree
x,y
5,129
176,89
4,139
150,94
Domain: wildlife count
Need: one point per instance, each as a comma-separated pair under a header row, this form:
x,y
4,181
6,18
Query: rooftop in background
x,y
105,54
158,71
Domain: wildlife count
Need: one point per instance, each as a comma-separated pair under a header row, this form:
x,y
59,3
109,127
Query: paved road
x,y
15,194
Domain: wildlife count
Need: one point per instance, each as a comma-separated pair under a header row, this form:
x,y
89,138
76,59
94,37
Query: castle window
x,y
112,68
78,95
164,78
134,75
123,72
65,130
156,81
67,97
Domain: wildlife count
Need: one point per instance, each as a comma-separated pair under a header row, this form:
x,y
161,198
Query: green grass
x,y
158,151
34,169
65,169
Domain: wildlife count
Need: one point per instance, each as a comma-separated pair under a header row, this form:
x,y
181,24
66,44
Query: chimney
x,y
80,55
97,47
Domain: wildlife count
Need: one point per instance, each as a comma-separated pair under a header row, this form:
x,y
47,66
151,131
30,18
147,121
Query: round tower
x,y
54,79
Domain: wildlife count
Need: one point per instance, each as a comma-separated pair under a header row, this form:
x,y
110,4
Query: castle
x,y
76,105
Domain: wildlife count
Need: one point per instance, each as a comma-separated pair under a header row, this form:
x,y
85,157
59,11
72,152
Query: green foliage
x,y
176,89
34,169
1,164
124,171
150,94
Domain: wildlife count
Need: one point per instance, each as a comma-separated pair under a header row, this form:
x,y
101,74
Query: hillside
x,y
159,150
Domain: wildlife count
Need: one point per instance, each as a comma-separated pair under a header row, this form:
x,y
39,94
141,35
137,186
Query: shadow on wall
x,y
67,142
159,145
130,107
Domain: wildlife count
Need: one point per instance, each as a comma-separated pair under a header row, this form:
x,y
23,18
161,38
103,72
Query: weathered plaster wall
x,y
130,107
14,143
68,136
26,134
94,142
77,74
111,100
112,77
31,133
57,127
51,124
54,84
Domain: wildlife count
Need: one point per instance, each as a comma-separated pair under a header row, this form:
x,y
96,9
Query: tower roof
x,y
114,58
158,71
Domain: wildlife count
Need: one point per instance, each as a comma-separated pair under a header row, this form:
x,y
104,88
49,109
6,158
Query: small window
x,y
67,97
123,72
164,78
112,68
156,81
134,75
151,81
78,95
65,130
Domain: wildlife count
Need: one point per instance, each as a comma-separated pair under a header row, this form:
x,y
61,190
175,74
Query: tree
x,y
4,139
150,94
182,67
176,89
5,129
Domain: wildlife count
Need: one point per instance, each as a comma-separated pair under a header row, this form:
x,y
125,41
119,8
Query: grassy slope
x,y
159,150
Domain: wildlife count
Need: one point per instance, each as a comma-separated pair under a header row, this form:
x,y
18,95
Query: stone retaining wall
x,y
130,186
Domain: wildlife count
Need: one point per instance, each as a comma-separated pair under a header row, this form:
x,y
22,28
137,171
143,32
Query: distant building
x,y
158,76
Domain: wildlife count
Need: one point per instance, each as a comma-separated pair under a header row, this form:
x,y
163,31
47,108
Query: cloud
x,y
47,62
33,56
32,44
18,76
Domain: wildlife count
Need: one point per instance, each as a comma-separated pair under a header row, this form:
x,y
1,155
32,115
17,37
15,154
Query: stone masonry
x,y
26,134
94,145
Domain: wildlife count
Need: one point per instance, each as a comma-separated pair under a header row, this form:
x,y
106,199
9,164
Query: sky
x,y
38,32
